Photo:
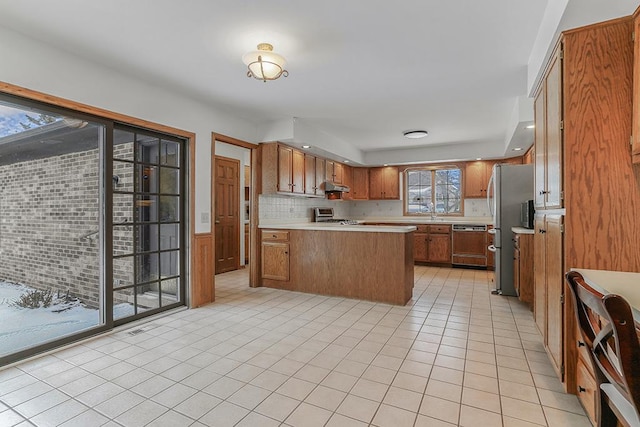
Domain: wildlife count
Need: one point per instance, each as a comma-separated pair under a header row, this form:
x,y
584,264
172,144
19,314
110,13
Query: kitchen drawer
x,y
275,236
587,389
439,229
421,228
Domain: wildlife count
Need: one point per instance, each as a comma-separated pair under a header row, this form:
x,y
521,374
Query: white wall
x,y
37,66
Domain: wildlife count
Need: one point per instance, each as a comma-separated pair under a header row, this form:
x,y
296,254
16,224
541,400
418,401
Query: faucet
x,y
434,215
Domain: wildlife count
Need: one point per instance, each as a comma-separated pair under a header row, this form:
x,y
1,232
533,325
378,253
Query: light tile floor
x,y
455,355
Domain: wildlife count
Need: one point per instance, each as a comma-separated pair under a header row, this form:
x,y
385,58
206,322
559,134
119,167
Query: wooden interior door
x,y
227,215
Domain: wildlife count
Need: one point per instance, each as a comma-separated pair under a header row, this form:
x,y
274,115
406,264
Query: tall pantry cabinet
x,y
587,193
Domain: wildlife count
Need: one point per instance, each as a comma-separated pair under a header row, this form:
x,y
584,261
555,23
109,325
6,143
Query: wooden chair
x,y
608,329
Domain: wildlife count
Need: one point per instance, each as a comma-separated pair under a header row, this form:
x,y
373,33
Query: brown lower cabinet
x,y
549,286
523,266
432,243
372,266
275,255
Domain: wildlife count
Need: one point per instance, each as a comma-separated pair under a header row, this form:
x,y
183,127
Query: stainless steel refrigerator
x,y
509,187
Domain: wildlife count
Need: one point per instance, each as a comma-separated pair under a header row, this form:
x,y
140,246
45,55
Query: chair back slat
x,y
627,344
612,339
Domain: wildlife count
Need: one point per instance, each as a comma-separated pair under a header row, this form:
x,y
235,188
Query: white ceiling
x,y
361,71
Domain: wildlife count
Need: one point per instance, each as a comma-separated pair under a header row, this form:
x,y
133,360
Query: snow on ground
x,y
21,328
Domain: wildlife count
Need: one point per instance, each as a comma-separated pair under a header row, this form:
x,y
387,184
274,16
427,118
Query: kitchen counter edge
x,y
339,227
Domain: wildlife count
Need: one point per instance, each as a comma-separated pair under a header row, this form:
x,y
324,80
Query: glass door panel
x,y
156,232
51,245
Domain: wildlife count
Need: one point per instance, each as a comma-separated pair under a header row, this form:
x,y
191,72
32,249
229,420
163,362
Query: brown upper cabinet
x,y
312,186
347,179
360,184
290,170
384,183
476,178
320,176
334,171
548,136
286,170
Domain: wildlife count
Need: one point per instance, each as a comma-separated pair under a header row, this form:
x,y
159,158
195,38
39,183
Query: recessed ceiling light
x,y
531,126
415,134
517,149
478,158
306,146
386,164
346,161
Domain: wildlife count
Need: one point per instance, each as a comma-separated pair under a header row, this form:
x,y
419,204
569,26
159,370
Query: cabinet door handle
x,y
581,389
542,231
581,343
543,192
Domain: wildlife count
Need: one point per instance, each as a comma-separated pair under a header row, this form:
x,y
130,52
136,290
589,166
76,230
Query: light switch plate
x,y
204,217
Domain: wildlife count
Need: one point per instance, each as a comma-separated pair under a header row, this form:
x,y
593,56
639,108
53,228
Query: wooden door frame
x,y
254,254
213,222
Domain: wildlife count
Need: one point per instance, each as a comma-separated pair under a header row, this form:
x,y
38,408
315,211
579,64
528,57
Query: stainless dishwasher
x,y
469,245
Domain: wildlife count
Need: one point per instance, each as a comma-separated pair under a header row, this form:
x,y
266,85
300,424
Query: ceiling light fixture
x,y
264,64
346,161
517,149
531,126
306,146
415,134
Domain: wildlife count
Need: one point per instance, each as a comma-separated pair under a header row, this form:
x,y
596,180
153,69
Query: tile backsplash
x,y
276,208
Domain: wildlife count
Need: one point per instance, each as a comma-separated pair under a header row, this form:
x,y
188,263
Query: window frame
x,y
432,169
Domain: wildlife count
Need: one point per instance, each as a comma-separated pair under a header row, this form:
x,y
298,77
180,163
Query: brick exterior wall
x,y
46,206
49,221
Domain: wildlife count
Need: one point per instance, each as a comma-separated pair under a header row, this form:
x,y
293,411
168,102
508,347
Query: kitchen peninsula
x,y
373,263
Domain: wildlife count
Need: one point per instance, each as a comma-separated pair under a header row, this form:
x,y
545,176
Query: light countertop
x,y
625,284
522,230
339,227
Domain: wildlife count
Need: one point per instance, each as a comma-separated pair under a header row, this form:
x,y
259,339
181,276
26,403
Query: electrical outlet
x,y
291,210
117,282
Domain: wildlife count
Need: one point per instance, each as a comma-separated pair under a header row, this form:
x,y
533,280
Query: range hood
x,y
332,187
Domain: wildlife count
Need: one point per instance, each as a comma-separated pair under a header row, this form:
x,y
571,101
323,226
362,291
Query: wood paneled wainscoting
x,y
202,264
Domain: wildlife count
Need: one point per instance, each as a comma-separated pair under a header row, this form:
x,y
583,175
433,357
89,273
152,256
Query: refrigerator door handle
x,y
489,187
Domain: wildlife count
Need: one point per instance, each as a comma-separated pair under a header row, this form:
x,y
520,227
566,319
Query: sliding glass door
x,y
92,230
51,214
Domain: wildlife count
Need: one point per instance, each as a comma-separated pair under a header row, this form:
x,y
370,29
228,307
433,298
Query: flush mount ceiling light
x,y
415,134
264,64
306,146
531,126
